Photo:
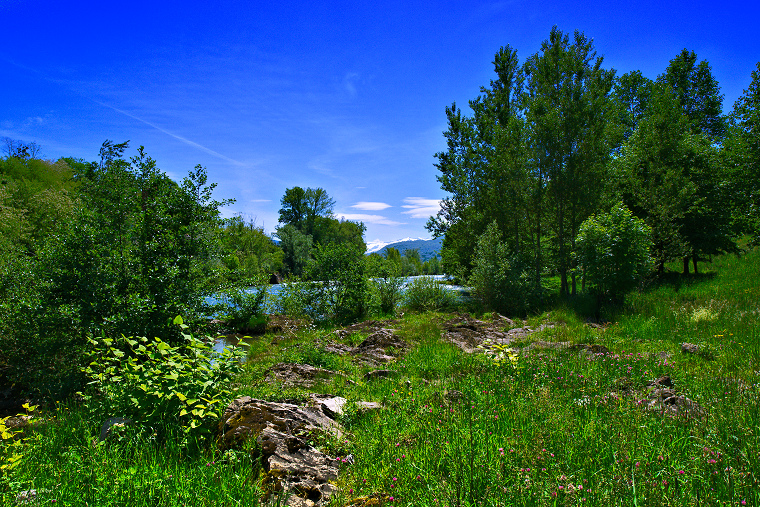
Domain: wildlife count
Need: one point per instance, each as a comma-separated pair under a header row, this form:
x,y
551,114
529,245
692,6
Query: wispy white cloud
x,y
368,219
261,200
349,83
371,206
170,134
421,207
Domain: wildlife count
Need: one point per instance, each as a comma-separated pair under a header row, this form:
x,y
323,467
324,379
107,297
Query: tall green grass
x,y
561,428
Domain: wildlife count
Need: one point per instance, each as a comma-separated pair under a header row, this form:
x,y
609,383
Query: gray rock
x,y
690,348
292,465
113,424
333,407
376,348
299,467
28,497
377,374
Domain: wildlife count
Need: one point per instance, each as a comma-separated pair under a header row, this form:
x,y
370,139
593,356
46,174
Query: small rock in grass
x,y
376,374
113,424
690,348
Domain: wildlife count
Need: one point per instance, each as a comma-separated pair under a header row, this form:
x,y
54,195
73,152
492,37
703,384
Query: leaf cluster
x,y
159,386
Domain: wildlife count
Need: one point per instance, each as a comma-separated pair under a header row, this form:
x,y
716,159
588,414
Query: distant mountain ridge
x,y
428,248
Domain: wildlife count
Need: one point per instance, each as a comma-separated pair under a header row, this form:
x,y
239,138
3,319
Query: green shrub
x,y
341,284
245,310
614,251
500,280
425,293
388,292
158,386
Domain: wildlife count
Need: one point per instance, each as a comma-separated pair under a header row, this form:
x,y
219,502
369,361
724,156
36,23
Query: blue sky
x,y
347,96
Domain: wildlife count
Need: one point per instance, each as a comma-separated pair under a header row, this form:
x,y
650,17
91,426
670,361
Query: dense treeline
x,y
558,139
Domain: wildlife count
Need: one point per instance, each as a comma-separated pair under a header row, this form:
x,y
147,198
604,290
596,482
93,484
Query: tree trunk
x,y
694,261
686,265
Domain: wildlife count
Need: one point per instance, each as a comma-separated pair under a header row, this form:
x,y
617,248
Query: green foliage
x,y
389,291
141,249
501,281
12,440
338,271
296,247
308,353
668,177
614,251
245,310
158,386
532,156
249,251
742,159
697,92
426,294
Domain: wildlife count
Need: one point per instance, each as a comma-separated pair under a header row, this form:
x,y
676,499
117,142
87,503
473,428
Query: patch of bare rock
x,y
661,397
300,375
282,432
468,333
380,347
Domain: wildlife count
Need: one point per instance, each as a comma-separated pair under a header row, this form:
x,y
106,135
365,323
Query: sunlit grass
x,y
561,428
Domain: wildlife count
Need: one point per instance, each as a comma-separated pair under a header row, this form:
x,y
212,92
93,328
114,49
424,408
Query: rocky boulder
x,y
380,347
282,431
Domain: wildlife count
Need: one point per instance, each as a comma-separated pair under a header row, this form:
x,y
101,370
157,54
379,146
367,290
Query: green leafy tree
x,y
669,176
653,175
632,94
614,252
296,247
483,168
698,93
500,280
568,104
742,158
302,208
143,246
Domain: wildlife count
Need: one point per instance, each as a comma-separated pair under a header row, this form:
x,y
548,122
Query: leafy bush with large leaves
x,y
158,386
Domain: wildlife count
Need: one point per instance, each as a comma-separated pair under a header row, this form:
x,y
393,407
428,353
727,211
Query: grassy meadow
x,y
553,427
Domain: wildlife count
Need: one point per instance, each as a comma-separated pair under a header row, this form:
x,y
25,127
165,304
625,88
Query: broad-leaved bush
x,y
158,386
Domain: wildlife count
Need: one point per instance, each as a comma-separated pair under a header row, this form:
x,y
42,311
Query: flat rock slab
x,y
298,375
469,333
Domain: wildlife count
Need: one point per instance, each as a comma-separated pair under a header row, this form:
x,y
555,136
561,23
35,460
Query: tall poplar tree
x,y
570,139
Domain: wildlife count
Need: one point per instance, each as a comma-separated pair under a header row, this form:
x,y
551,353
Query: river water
x,y
274,290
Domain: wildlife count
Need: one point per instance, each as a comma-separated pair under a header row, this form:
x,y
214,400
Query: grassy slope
x,y
458,429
